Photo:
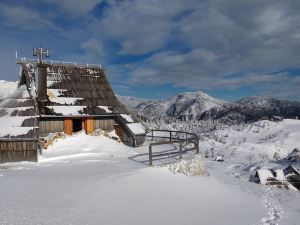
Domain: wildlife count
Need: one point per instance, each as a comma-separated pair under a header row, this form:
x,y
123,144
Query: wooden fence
x,y
14,150
163,137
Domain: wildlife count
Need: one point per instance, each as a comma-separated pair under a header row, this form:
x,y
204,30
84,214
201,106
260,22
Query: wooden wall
x,y
104,124
140,139
18,150
51,126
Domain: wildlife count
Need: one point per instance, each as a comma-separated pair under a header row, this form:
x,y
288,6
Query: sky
x,y
155,49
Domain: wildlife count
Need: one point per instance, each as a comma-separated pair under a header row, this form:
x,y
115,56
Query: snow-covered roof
x,y
85,89
136,128
280,175
264,174
291,169
18,117
16,131
128,118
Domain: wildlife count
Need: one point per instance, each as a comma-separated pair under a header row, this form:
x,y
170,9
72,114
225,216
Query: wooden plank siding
x,y
51,126
140,139
104,124
21,150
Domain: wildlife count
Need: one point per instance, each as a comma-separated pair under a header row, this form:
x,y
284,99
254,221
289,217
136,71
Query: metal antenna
x,y
40,52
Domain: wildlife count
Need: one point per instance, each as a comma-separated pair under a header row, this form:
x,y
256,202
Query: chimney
x,y
41,74
41,81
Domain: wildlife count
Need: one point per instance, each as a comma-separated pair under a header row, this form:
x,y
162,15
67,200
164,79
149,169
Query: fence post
x,y
197,146
170,135
152,135
150,155
180,149
186,141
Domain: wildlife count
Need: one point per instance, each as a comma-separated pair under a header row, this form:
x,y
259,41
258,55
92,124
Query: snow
x,y
258,141
7,87
67,110
136,128
19,93
54,96
73,109
90,180
264,174
15,121
280,175
220,158
14,131
105,108
128,118
54,93
84,179
64,101
182,105
9,111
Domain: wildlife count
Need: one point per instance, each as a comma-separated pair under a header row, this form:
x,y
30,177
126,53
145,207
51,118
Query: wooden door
x,y
89,125
68,126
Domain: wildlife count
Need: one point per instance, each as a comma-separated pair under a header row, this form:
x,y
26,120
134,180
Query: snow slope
x,y
91,180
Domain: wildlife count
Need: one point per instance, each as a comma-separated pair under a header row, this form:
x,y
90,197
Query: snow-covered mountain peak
x,y
7,87
187,105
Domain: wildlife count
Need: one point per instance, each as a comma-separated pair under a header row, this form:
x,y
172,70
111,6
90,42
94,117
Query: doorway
x,y
77,125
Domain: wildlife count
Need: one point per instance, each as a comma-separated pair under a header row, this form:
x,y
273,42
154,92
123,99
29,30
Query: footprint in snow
x,y
272,207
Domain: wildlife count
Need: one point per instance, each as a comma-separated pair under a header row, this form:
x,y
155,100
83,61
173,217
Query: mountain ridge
x,y
189,106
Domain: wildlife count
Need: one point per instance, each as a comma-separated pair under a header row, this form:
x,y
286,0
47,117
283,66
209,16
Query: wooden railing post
x,y
186,141
150,155
170,135
152,135
180,149
197,146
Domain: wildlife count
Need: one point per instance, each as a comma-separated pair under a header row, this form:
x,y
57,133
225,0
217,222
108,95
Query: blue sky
x,y
156,49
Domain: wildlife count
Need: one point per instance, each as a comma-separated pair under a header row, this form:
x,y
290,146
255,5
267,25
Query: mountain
x,y
134,102
200,106
184,106
256,108
7,87
260,102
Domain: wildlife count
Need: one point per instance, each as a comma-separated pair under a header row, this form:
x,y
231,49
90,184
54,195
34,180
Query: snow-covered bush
x,y
191,167
45,142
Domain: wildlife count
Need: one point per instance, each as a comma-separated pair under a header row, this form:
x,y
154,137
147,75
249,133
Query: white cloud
x,y
92,46
71,8
140,26
24,18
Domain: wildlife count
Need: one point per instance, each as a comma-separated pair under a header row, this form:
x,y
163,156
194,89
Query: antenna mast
x,y
40,52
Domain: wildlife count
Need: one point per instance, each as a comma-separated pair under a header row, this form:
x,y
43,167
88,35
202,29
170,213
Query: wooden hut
x,y
57,97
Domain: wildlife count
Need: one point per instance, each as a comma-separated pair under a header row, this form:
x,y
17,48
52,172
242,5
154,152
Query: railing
x,y
173,137
62,63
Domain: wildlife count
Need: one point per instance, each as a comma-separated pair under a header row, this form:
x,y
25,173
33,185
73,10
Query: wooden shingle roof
x,y
75,90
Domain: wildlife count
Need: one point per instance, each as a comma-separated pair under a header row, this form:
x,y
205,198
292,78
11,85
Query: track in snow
x,y
273,208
